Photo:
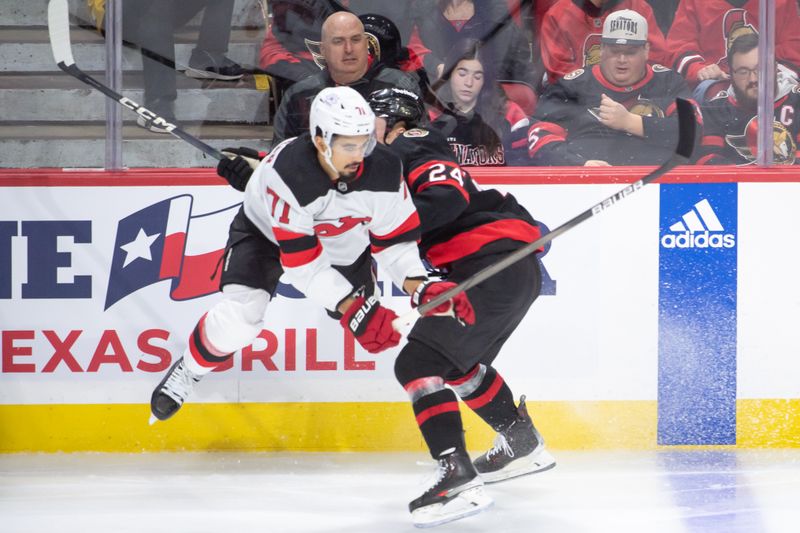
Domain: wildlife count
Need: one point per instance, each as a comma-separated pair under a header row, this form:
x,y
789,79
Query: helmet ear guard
x,y
383,38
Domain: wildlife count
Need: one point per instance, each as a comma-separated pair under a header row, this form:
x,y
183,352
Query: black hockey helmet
x,y
397,105
385,43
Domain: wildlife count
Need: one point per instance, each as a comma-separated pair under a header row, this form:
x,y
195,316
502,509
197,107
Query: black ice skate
x,y
518,450
173,390
456,492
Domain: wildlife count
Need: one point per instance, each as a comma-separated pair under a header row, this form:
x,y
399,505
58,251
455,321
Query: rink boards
x,y
669,319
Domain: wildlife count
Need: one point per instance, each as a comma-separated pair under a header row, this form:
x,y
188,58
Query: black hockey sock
x,y
485,392
437,415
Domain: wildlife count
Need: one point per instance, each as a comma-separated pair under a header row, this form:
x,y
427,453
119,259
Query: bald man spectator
x,y
344,49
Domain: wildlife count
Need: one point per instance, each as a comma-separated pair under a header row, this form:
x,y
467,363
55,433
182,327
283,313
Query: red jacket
x,y
571,32
700,32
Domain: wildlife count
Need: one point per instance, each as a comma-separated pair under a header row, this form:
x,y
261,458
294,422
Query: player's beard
x,y
744,99
347,177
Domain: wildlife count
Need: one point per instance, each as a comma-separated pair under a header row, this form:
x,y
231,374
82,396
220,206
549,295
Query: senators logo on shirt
x,y
646,108
591,50
735,25
784,148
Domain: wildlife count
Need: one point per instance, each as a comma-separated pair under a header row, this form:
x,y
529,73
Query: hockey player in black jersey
x,y
317,210
464,229
618,112
730,120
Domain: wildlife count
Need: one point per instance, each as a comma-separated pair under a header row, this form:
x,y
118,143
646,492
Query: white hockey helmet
x,y
341,111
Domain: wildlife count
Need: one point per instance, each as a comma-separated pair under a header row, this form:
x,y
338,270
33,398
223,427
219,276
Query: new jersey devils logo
x,y
332,229
784,149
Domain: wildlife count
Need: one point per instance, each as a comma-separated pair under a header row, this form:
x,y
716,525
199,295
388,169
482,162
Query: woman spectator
x,y
441,23
483,127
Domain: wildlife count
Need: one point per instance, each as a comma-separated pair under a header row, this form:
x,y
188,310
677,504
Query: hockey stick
x,y
58,27
686,135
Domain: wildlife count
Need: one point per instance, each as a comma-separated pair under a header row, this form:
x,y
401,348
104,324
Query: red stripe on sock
x,y
488,396
448,407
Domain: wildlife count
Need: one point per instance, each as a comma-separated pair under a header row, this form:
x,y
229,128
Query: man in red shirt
x,y
703,31
571,32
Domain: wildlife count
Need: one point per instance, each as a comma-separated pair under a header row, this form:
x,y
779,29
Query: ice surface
x,y
614,492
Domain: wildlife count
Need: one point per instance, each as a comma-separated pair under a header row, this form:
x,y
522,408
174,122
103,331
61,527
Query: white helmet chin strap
x,y
327,156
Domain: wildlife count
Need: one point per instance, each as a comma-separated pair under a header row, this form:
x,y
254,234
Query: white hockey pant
x,y
233,323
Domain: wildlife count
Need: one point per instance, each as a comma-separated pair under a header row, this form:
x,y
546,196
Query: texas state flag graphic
x,y
165,241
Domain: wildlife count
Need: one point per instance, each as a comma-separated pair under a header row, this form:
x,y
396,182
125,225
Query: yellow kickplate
x,y
262,82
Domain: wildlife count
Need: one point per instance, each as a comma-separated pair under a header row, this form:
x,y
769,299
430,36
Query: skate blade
x,y
467,503
537,461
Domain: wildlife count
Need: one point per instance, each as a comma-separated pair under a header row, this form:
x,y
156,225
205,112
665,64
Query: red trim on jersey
x,y
414,175
488,396
682,63
705,159
448,182
298,259
465,378
284,235
551,127
449,407
648,75
542,142
410,224
713,140
471,241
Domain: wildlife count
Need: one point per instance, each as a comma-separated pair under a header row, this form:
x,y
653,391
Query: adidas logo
x,y
698,228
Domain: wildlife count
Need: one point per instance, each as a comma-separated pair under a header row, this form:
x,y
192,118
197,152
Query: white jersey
x,y
319,223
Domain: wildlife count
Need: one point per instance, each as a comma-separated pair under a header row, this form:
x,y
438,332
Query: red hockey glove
x,y
459,304
239,165
371,324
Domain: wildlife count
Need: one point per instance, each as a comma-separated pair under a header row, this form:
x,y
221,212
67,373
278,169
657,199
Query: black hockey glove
x,y
238,166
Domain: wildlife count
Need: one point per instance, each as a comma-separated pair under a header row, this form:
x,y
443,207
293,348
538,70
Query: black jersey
x,y
730,132
291,118
458,218
567,131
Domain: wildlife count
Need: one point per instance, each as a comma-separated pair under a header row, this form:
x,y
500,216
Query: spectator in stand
x,y
442,23
151,25
703,30
618,112
344,49
730,121
290,51
284,53
570,36
483,127
385,45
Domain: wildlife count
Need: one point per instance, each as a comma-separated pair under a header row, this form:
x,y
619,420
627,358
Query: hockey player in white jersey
x,y
316,210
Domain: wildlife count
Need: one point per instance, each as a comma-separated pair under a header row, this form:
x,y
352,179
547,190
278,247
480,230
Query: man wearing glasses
x,y
731,118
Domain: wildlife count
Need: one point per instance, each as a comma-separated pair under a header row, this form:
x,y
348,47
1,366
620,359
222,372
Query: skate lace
x,y
433,481
180,383
501,445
